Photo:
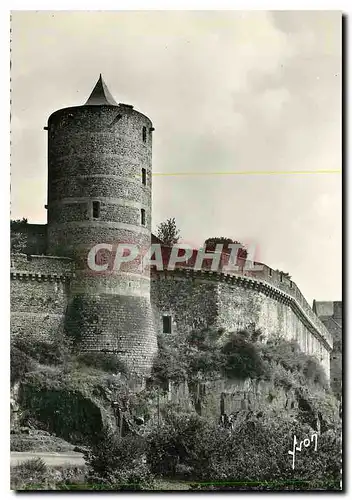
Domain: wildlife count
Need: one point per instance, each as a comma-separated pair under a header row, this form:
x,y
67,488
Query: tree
x,y
210,244
19,239
168,232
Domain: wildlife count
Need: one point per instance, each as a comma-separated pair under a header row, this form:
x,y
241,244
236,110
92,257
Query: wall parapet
x,y
40,266
246,279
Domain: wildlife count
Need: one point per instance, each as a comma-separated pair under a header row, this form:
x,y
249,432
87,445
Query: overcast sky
x,y
226,91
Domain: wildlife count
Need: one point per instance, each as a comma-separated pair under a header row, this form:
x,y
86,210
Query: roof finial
x,y
101,95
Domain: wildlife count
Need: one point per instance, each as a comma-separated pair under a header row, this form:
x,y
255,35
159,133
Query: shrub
x,y
256,449
118,462
242,358
42,351
20,364
289,356
35,475
173,445
168,364
107,362
28,474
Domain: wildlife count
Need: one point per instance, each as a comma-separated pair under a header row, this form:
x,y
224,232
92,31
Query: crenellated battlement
x,y
41,268
289,295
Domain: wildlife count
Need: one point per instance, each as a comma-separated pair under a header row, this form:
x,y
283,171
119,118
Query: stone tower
x,y
99,192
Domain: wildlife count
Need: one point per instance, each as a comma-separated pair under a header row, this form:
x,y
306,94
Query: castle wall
x,y
330,313
41,287
39,292
203,300
191,303
239,308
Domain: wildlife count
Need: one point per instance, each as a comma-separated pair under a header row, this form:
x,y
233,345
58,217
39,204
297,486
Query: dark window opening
x,y
166,324
291,284
144,176
281,277
116,119
144,134
143,217
96,209
270,272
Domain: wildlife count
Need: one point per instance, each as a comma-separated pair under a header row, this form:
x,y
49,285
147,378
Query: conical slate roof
x,y
101,95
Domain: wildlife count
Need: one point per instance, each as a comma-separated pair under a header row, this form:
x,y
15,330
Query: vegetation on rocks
x,y
83,398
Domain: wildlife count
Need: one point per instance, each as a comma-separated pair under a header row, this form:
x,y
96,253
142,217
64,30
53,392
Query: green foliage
x,y
106,362
255,450
203,355
28,473
168,364
210,245
35,475
289,356
20,364
242,358
19,239
118,462
55,352
75,319
18,223
168,233
174,443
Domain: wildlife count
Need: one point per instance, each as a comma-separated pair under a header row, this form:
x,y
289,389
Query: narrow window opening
x,y
281,279
166,324
270,272
144,176
96,209
144,132
143,217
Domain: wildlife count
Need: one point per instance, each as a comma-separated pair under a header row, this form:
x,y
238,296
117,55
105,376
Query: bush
x,y
256,449
242,358
107,362
42,351
28,474
117,462
173,445
168,364
20,364
35,475
289,356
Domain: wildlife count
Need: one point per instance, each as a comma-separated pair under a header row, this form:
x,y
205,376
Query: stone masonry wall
x,y
201,300
97,157
97,153
330,313
115,323
39,292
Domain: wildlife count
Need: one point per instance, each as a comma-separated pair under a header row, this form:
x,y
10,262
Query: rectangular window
x,y
96,209
144,176
166,324
143,217
270,271
144,133
281,277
